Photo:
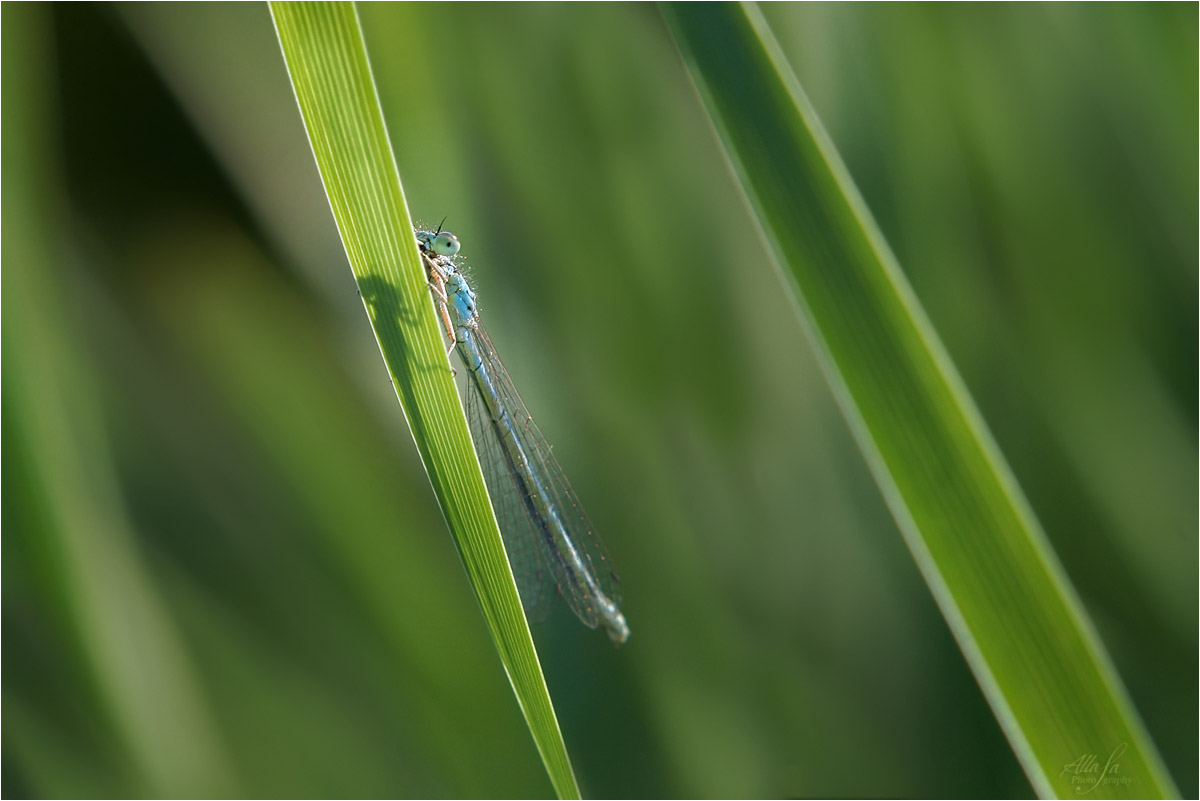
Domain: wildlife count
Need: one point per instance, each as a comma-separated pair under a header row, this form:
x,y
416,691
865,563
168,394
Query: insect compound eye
x,y
445,244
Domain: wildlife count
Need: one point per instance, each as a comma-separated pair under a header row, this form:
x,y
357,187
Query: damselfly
x,y
549,538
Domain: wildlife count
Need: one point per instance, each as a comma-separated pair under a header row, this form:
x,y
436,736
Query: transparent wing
x,y
535,582
570,511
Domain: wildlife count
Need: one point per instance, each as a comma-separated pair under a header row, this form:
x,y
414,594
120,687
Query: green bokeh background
x,y
224,570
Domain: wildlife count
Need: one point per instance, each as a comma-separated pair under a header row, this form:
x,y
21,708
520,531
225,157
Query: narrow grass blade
x,y
975,539
327,61
72,544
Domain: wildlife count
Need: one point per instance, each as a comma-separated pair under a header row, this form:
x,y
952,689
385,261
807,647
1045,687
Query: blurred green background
x,y
224,572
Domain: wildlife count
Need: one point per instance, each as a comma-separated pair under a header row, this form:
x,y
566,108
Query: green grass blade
x,y
974,537
327,61
72,541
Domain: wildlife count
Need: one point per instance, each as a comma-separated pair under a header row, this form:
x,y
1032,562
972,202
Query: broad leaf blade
x,y
975,539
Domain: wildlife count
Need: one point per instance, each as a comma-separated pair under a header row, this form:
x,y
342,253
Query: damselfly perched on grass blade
x,y
551,544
